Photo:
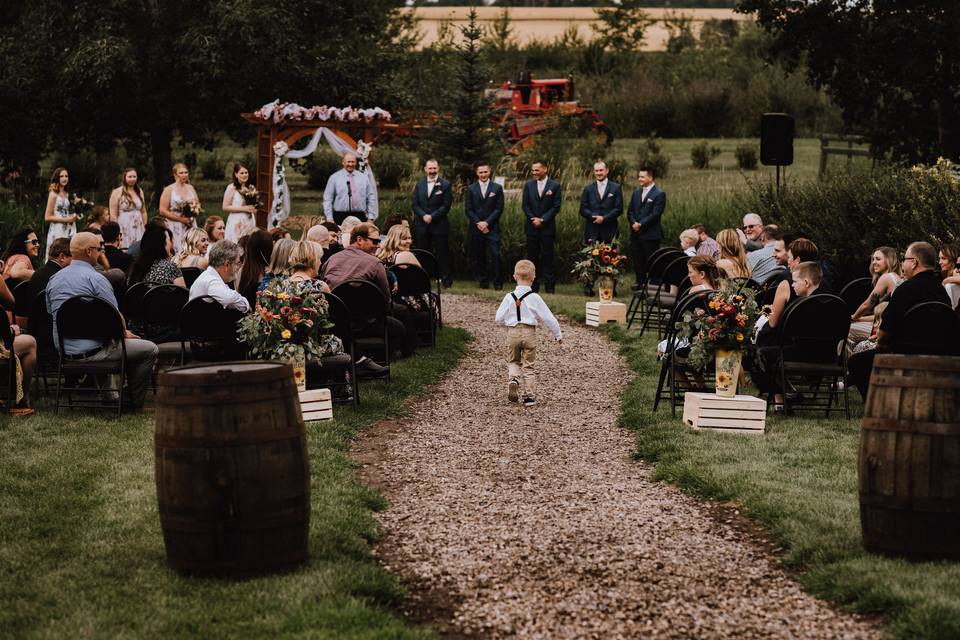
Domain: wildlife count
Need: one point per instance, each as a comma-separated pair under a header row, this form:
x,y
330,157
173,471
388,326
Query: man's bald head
x,y
349,161
319,234
81,244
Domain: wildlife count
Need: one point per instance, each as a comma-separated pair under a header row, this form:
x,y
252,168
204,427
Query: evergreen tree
x,y
465,136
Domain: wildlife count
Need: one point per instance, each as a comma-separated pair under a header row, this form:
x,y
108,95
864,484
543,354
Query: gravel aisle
x,y
535,523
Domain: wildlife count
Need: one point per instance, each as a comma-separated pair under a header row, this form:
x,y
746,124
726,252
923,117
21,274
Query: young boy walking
x,y
521,310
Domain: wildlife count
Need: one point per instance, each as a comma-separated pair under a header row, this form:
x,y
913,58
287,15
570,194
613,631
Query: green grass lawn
x,y
799,481
81,550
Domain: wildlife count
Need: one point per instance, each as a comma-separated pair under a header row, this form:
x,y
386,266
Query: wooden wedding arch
x,y
270,132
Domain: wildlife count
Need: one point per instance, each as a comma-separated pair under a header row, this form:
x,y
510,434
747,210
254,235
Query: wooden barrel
x,y
910,458
232,472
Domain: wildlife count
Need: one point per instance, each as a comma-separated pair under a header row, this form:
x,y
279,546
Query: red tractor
x,y
526,107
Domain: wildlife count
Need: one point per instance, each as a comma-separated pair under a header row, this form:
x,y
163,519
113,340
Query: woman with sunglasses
x,y
62,223
18,259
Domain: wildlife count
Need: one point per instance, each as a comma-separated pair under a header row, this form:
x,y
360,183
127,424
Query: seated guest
x,y
922,284
806,277
112,238
800,250
870,342
58,259
279,261
322,236
99,215
22,249
762,262
257,253
688,241
155,221
396,250
704,276
733,259
885,271
81,278
395,219
334,246
345,227
153,264
25,350
193,253
752,232
357,262
706,246
223,268
215,228
949,254
304,266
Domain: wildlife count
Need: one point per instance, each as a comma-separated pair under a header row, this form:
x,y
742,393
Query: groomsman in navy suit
x,y
484,206
541,204
600,206
432,199
646,208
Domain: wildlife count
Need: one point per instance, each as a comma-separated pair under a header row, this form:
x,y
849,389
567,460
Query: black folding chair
x,y
855,292
131,305
337,365
210,331
368,319
676,376
40,326
413,281
929,328
89,318
431,265
812,357
648,289
162,305
659,305
190,274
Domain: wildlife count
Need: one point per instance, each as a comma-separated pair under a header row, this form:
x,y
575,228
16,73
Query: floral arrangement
x,y
251,196
278,112
729,325
599,259
80,205
189,209
289,317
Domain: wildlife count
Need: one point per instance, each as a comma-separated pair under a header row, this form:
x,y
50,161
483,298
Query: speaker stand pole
x,y
778,181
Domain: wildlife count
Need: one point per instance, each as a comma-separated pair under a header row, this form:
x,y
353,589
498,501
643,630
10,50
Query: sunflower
x,y
723,378
285,334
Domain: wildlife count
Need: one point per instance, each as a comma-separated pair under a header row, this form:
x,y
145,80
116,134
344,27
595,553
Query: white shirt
x,y
483,187
646,190
532,309
541,185
430,185
602,187
209,283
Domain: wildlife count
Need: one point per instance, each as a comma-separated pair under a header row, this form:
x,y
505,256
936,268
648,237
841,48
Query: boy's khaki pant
x,y
521,352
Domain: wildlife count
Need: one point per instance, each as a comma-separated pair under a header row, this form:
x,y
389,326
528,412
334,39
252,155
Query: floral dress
x,y
130,219
238,224
178,229
60,229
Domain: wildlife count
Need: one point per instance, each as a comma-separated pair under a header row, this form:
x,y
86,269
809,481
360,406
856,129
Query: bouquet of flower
x,y
189,209
251,196
289,316
599,259
80,205
728,325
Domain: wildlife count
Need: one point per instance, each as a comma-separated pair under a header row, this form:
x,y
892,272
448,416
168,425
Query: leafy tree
x,y
465,136
891,65
621,27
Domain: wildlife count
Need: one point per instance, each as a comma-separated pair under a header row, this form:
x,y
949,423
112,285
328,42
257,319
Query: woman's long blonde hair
x,y
732,249
280,258
191,245
892,260
391,245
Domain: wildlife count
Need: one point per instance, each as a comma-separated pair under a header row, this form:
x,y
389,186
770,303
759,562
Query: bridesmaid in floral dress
x,y
128,208
172,202
240,218
62,223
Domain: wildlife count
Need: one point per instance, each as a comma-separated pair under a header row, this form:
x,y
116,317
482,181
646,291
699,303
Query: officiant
x,y
349,193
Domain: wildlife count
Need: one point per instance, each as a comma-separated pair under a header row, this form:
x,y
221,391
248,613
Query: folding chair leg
x,y
663,376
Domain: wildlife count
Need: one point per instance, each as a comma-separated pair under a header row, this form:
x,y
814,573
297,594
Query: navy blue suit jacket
x,y
610,207
647,213
480,209
545,207
437,206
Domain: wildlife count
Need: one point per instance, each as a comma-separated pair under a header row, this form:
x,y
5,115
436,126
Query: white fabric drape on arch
x,y
280,207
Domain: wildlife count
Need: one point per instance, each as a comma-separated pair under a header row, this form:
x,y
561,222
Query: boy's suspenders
x,y
517,301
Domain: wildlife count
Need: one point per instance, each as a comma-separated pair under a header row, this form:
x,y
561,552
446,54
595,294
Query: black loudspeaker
x,y
776,139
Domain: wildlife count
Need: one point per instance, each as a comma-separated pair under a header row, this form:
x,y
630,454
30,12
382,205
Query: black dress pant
x,y
540,251
486,248
640,252
438,244
859,368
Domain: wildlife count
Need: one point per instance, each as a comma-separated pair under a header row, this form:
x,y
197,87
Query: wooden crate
x,y
603,312
740,414
316,404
